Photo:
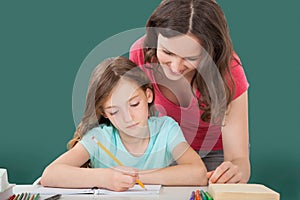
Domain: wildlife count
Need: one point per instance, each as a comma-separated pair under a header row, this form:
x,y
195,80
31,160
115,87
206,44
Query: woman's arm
x,y
189,170
65,172
236,165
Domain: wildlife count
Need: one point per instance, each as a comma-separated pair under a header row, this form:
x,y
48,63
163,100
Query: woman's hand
x,y
227,172
121,178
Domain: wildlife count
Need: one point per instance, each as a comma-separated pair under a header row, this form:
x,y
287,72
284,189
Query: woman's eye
x,y
191,59
167,52
135,104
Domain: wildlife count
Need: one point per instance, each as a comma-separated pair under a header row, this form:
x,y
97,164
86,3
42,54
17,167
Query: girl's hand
x,y
227,172
121,178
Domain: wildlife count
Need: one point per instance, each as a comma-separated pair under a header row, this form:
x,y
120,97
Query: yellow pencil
x,y
114,158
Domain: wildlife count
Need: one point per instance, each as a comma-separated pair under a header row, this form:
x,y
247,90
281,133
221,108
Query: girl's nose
x,y
127,116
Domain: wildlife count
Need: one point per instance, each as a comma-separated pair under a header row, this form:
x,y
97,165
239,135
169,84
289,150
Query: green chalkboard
x,y
44,43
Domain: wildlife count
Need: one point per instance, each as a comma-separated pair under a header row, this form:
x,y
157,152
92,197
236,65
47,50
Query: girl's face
x,y
179,56
127,108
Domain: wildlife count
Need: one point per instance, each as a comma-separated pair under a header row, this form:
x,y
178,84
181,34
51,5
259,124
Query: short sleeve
x,y
88,143
239,77
175,135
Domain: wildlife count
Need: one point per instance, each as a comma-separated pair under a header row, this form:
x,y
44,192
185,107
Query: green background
x,y
43,44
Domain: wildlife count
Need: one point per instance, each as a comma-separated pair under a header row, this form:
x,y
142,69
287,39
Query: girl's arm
x,y
65,172
236,165
189,170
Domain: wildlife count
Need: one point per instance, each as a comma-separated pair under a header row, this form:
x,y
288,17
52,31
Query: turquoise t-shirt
x,y
165,135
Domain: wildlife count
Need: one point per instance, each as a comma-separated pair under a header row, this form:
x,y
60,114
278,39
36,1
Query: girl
x,y
117,114
199,81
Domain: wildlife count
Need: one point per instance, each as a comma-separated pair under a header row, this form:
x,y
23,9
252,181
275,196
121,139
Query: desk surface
x,y
166,193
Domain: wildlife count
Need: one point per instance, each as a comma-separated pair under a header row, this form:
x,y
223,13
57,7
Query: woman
x,y
199,81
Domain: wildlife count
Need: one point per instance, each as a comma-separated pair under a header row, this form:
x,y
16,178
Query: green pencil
x,y
37,196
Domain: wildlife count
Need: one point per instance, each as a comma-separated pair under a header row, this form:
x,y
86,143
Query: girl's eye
x,y
112,112
135,104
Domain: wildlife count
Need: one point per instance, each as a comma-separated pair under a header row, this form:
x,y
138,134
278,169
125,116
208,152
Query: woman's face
x,y
179,56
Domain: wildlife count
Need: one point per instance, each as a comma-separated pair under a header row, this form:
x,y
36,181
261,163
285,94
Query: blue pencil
x,y
192,196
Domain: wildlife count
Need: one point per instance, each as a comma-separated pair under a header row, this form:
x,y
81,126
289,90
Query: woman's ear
x,y
149,95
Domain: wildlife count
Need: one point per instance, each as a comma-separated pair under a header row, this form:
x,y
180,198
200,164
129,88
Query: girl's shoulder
x,y
162,121
101,130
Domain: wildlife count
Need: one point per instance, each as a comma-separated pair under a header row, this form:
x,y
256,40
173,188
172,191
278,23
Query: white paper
x,y
3,180
136,190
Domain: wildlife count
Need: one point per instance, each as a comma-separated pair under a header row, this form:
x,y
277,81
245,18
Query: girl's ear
x,y
149,95
103,113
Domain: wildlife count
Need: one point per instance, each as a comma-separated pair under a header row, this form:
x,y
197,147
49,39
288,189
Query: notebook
x,y
136,190
242,191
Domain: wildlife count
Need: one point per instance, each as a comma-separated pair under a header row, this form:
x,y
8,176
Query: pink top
x,y
199,134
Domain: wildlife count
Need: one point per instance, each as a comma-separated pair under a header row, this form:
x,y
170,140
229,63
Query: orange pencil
x,y
16,197
198,197
115,159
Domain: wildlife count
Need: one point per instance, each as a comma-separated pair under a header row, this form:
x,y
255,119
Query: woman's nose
x,y
176,64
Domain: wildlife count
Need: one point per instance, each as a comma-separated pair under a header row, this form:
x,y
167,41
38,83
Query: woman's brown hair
x,y
206,21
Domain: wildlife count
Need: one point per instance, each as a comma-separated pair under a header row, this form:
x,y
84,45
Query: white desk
x,y
166,193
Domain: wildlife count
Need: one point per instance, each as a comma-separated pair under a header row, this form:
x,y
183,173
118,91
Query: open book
x,y
136,190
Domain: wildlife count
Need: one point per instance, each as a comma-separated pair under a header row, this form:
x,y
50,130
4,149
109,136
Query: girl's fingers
x,y
128,180
125,182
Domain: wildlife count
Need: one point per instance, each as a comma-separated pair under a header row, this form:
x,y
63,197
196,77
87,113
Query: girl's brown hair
x,y
206,21
104,78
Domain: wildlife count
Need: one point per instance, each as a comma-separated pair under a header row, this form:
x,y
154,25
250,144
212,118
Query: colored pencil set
x,y
200,195
25,196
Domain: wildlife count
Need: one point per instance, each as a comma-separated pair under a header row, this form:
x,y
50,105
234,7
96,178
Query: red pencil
x,y
12,197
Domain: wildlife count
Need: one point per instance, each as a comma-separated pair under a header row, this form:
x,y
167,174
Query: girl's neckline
x,y
124,148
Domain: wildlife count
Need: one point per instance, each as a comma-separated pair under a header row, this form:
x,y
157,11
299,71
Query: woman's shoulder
x,y
235,61
238,75
136,53
138,44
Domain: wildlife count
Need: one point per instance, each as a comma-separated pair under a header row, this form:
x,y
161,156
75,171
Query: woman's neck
x,y
177,91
